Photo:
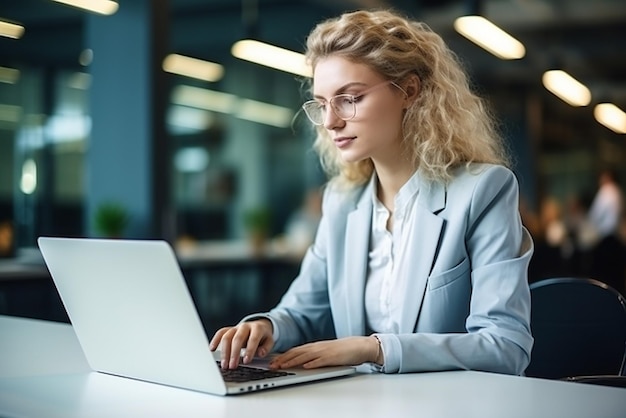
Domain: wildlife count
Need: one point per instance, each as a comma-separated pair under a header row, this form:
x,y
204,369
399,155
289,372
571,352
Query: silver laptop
x,y
134,317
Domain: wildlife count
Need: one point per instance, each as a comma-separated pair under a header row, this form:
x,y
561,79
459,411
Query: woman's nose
x,y
332,121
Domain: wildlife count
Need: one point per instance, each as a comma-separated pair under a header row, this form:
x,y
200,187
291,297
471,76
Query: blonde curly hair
x,y
446,126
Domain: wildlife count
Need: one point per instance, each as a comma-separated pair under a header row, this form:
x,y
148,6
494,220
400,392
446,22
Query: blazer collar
x,y
432,196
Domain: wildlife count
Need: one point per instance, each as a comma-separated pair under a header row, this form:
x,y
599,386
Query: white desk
x,y
44,374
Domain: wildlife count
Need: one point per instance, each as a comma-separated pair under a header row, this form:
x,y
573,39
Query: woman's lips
x,y
343,141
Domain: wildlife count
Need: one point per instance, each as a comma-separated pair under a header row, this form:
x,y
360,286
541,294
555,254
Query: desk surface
x,y
28,265
43,373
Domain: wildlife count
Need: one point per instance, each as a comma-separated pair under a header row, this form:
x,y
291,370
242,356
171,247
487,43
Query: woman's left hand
x,y
349,351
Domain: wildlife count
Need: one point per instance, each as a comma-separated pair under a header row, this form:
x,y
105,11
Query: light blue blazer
x,y
467,303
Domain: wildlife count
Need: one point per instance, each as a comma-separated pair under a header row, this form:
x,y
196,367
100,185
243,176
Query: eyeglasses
x,y
343,105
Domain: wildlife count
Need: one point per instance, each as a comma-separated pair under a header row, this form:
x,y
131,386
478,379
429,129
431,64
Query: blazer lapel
x,y
421,252
358,229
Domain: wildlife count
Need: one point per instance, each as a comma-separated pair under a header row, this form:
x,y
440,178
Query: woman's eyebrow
x,y
342,89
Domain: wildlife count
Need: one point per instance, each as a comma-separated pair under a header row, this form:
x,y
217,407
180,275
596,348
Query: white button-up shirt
x,y
387,255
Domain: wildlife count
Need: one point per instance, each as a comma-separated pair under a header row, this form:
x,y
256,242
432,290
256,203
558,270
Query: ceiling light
x,y
566,87
10,113
79,81
611,116
271,56
9,75
11,30
204,99
490,37
193,67
28,182
86,57
266,113
185,120
191,160
68,127
241,108
103,7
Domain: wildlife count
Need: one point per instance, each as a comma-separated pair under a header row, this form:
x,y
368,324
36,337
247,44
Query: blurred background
x,y
102,133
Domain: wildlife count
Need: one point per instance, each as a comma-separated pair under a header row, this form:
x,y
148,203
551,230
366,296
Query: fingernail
x,y
262,352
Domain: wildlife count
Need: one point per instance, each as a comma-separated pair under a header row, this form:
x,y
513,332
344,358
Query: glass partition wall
x,y
224,163
44,127
229,163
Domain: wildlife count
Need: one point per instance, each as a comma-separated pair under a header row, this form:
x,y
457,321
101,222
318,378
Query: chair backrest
x,y
579,326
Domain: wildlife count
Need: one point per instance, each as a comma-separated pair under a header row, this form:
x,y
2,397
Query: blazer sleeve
x,y
304,313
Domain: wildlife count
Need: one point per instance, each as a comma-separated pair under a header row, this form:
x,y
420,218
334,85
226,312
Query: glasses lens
x,y
344,106
315,112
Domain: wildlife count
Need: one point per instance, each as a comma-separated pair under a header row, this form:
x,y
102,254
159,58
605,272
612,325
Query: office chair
x,y
579,326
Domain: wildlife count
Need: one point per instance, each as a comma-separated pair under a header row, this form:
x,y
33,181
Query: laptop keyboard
x,y
247,373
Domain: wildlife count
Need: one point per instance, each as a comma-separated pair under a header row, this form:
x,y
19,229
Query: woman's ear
x,y
412,88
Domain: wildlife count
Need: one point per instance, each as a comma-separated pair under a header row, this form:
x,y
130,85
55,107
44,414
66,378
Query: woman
x,y
420,259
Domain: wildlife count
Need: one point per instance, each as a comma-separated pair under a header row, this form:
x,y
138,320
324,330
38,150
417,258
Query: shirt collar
x,y
405,195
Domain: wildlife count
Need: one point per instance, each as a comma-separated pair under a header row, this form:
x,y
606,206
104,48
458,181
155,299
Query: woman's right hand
x,y
253,336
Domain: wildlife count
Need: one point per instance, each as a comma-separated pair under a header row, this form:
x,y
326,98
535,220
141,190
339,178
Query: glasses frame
x,y
352,98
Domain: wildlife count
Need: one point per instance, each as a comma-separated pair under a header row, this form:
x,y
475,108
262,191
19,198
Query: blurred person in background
x,y
302,224
553,244
607,205
605,215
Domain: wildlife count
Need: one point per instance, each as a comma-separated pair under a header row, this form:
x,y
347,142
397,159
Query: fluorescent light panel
x,y
192,160
566,87
247,109
9,75
186,120
68,128
79,81
103,7
28,181
272,56
193,67
10,113
204,99
611,116
11,30
490,37
266,113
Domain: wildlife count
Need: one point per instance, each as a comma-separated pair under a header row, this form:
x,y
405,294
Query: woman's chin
x,y
351,157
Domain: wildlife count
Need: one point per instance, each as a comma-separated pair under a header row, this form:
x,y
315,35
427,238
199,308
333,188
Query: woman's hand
x,y
255,336
349,351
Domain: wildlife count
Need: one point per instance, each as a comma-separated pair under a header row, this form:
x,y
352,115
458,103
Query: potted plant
x,y
110,220
257,221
